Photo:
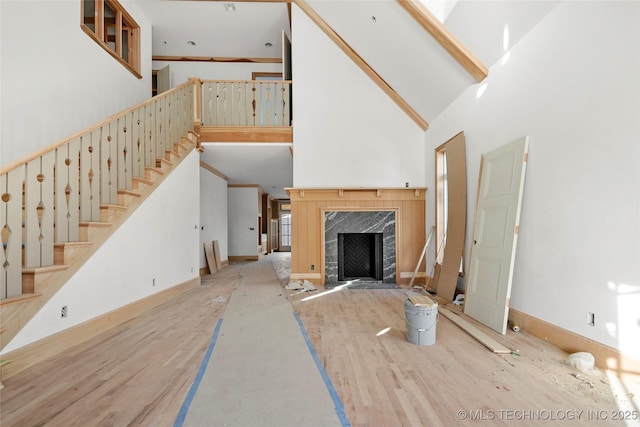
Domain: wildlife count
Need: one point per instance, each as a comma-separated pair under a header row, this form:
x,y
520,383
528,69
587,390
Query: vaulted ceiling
x,y
422,69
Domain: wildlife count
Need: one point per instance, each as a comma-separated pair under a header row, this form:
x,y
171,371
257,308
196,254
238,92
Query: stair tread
x,y
114,207
72,244
130,193
19,298
94,224
47,269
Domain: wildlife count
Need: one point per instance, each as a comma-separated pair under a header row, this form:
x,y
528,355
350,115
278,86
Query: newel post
x,y
197,102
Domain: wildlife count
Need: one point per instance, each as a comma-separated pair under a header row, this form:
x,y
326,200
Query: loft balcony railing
x,y
245,102
45,197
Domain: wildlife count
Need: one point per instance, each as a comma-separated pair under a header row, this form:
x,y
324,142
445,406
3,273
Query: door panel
x,y
451,219
495,234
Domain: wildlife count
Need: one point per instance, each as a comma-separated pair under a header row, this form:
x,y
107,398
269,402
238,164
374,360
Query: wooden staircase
x,y
41,283
59,205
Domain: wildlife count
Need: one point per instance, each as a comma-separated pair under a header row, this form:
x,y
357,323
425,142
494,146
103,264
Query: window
x,y
109,24
285,229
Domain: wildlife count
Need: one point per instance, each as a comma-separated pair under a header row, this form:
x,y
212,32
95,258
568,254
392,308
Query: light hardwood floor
x,y
139,373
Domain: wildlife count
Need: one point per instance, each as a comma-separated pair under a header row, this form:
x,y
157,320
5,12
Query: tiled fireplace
x,y
360,245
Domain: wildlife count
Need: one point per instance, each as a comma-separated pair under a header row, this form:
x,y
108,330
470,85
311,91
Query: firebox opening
x,y
360,256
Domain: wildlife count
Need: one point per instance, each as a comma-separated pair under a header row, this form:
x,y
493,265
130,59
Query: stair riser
x,y
88,231
66,255
110,214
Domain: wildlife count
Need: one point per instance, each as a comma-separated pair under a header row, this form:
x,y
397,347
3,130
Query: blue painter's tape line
x,y
196,383
327,381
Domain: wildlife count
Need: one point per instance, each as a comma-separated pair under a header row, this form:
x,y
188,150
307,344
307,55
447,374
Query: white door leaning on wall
x,y
495,234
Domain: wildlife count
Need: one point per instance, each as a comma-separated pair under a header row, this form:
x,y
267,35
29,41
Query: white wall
x,y
341,118
181,71
243,221
159,241
55,79
213,213
575,91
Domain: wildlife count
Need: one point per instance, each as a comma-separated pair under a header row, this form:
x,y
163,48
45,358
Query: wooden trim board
x,y
362,64
453,250
476,333
211,259
206,166
216,254
570,342
265,134
216,59
445,38
244,258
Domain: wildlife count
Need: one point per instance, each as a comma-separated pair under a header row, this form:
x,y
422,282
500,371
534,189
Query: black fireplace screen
x,y
360,256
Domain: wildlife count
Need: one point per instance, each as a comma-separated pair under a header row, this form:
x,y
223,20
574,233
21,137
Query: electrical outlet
x,y
64,312
313,267
153,282
591,319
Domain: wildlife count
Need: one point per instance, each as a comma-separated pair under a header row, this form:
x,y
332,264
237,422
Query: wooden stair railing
x,y
246,103
58,205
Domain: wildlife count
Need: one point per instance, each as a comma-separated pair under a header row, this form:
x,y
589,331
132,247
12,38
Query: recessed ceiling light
x,y
268,44
191,43
230,7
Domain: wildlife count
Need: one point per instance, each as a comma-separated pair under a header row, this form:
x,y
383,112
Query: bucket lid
x,y
421,300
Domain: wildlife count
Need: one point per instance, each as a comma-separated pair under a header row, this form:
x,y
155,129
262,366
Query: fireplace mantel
x,y
308,206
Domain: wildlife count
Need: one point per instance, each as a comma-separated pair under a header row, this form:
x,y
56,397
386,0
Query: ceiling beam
x,y
446,39
207,166
357,59
215,59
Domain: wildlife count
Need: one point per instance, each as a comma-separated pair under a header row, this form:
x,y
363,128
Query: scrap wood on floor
x,y
300,286
476,333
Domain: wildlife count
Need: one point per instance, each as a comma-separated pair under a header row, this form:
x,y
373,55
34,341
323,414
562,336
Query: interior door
x,y
164,79
495,234
274,235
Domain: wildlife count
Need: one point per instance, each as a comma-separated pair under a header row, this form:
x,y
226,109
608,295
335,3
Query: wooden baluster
x,y
240,104
252,104
124,165
11,232
150,129
137,144
223,104
171,105
189,96
209,105
180,114
90,176
269,104
160,127
67,192
39,210
285,109
108,164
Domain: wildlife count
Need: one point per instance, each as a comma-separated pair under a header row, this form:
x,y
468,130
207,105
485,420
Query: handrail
x,y
39,153
45,197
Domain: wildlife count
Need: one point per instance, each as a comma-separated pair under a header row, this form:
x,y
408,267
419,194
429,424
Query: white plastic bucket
x,y
421,322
